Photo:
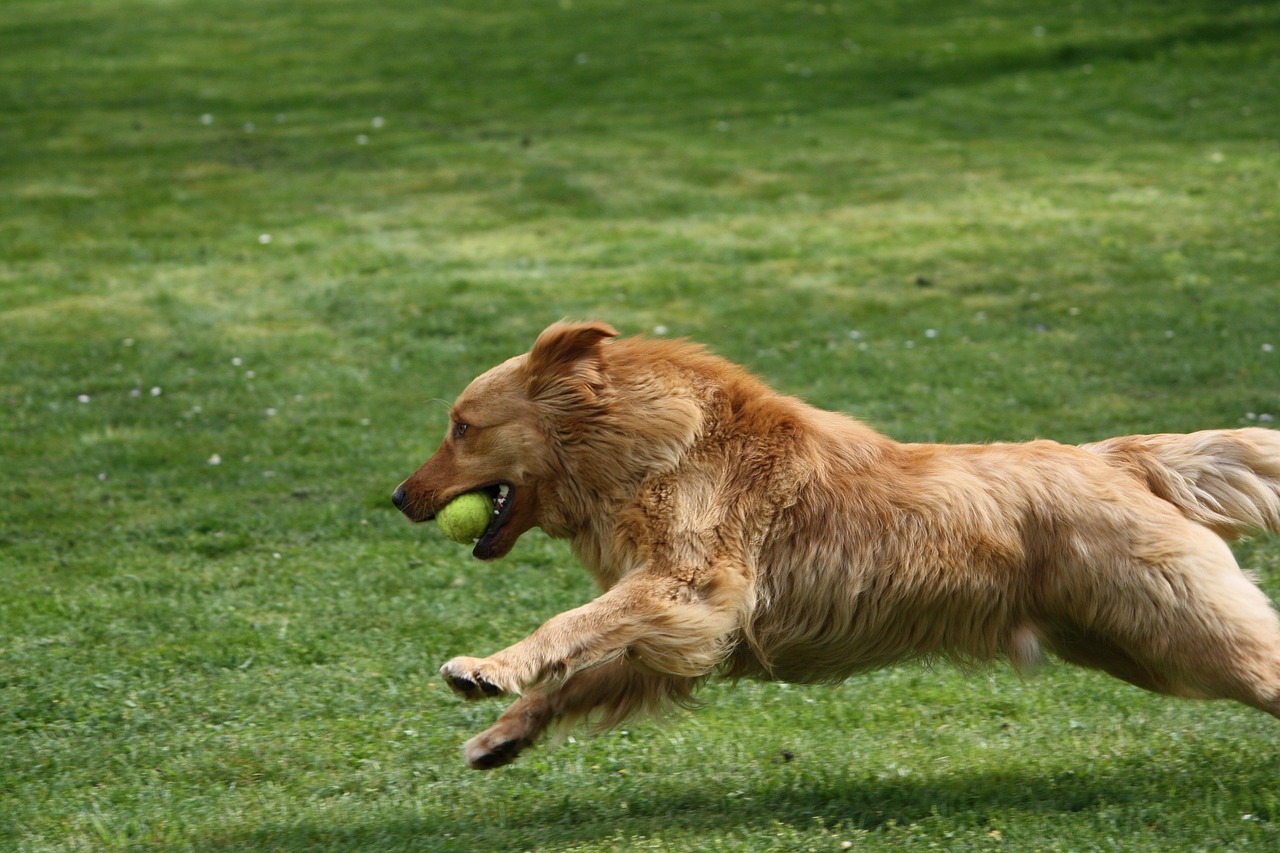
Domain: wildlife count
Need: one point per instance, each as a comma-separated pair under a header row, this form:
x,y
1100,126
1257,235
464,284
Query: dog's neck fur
x,y
640,434
638,431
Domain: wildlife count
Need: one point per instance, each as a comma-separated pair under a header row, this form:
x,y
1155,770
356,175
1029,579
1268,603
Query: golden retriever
x,y
740,532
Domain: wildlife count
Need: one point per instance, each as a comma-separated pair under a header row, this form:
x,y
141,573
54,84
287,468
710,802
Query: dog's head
x,y
506,431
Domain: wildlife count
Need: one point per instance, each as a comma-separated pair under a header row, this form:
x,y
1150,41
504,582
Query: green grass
x,y
959,221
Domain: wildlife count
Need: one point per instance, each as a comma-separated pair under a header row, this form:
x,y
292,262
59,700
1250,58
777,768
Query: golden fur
x,y
740,532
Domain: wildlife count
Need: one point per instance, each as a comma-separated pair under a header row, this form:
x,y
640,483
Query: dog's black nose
x,y
397,497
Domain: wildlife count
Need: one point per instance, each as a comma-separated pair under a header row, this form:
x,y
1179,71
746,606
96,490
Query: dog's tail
x,y
1227,480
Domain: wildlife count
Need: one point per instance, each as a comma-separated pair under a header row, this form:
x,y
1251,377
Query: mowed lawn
x,y
250,249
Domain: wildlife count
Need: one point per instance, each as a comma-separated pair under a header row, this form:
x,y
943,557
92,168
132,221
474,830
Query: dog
x,y
738,532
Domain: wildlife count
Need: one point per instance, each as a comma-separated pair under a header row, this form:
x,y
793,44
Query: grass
x,y
248,247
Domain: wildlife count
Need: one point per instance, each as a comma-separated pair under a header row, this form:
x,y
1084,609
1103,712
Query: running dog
x,y
738,532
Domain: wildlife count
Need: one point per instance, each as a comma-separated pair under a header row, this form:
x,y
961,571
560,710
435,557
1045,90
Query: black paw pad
x,y
462,685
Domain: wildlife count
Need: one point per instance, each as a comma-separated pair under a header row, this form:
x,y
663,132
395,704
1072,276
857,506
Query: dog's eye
x,y
460,429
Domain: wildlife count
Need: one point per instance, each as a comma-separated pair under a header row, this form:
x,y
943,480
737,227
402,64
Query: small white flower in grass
x,y
215,459
1265,418
136,392
275,555
84,398
264,239
102,477
659,330
207,118
236,361
361,139
1268,348
127,342
156,391
378,122
271,412
249,374
855,335
364,422
930,333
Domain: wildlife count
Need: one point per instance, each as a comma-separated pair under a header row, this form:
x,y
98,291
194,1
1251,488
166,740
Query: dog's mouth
x,y
503,495
505,524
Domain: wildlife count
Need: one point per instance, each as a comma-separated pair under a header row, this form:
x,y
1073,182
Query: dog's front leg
x,y
608,694
668,623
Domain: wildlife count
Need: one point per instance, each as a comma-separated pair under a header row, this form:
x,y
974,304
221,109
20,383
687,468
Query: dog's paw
x,y
468,678
493,748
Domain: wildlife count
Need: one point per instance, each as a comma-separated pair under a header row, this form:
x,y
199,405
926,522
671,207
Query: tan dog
x,y
739,532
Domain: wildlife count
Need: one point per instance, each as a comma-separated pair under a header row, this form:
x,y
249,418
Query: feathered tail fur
x,y
1227,480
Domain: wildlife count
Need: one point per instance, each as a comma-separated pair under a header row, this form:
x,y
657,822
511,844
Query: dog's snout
x,y
398,497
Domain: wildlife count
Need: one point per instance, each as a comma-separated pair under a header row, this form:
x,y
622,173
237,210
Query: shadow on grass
x,y
605,811
902,80
857,82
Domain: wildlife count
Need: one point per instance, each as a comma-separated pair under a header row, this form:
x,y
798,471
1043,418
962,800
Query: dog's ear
x,y
566,349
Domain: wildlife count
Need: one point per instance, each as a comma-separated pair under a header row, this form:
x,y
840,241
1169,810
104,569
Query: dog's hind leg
x,y
607,695
1231,648
1192,625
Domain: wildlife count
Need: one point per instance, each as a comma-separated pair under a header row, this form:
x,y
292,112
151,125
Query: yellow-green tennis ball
x,y
466,517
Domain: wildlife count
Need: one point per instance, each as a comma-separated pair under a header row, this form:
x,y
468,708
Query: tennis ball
x,y
466,517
